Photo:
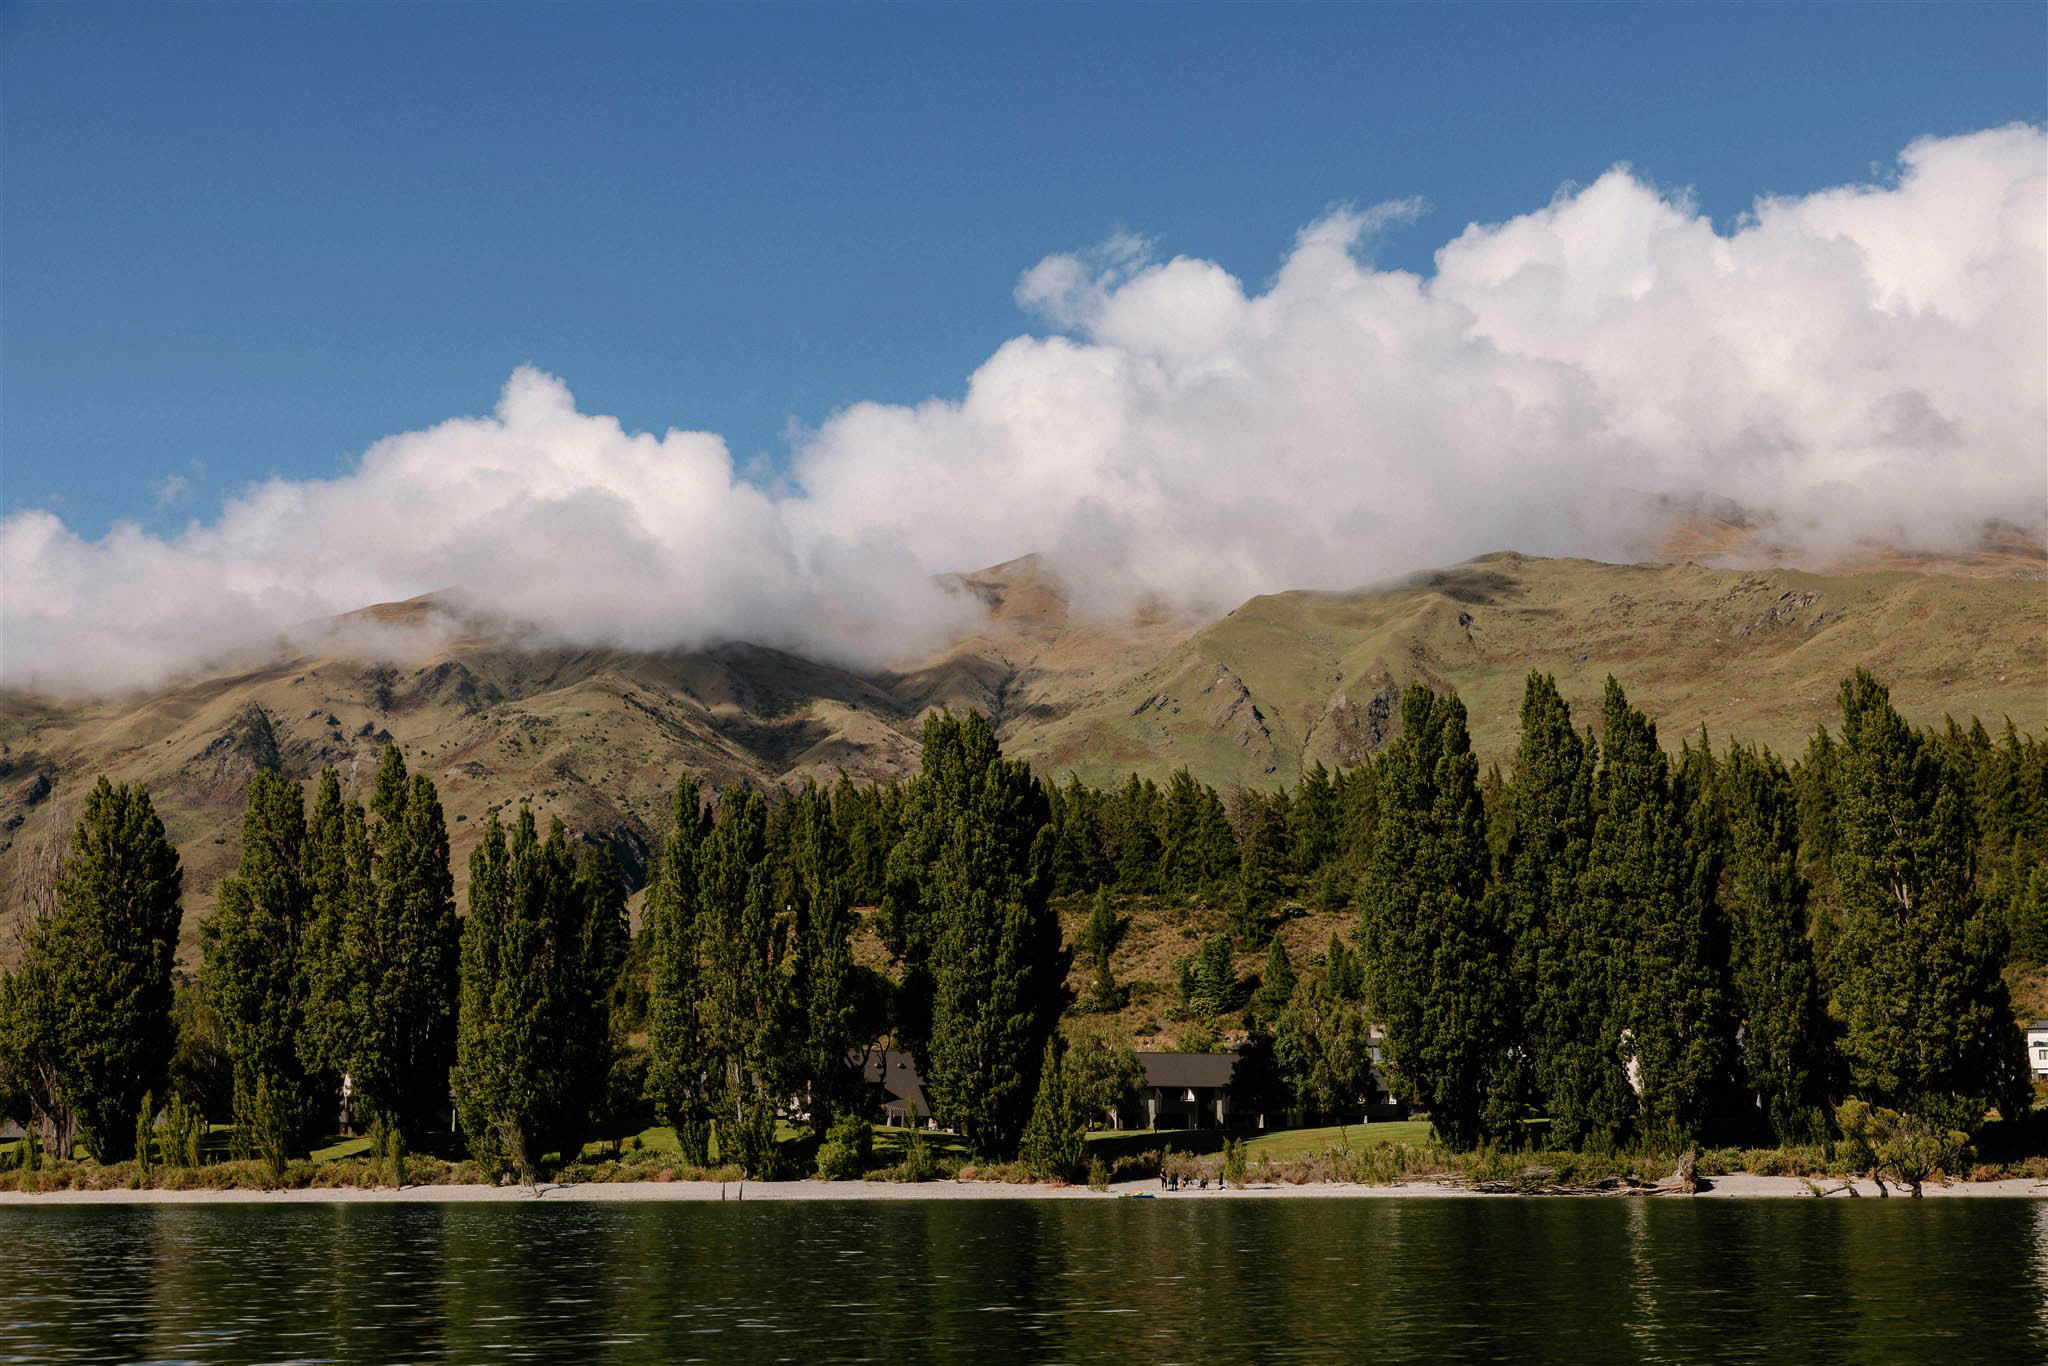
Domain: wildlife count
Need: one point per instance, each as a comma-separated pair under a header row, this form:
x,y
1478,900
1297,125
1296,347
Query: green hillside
x,y
1295,677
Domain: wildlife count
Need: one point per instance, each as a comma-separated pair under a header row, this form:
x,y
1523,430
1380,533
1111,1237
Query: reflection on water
x,y
1574,1280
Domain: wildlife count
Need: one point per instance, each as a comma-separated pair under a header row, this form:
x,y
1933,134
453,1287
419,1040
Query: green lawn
x,y
1282,1144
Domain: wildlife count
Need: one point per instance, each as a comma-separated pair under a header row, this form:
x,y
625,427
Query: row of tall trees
x,y
331,954
1604,944
1634,945
753,994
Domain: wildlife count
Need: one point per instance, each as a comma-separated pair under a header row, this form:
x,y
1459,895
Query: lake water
x,y
1562,1280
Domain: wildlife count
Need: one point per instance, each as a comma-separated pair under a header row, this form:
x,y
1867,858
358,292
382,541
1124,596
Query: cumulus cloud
x,y
1866,362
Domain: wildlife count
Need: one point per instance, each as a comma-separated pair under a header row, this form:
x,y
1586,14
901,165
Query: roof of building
x,y
1170,1070
895,1071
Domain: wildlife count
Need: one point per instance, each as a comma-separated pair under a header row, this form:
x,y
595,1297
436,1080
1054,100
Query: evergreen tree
x,y
677,1076
89,1007
410,955
996,966
1079,861
1209,985
252,970
1345,972
1098,942
1054,1145
1276,984
1561,999
824,987
1315,823
741,988
1435,940
1196,846
524,1087
1264,867
1772,960
335,1040
1130,830
1928,1021
1639,881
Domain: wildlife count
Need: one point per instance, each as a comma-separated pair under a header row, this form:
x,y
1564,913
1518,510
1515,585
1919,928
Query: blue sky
x,y
245,240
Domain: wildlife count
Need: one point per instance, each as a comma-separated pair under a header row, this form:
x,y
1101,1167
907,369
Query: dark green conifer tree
x,y
997,969
1928,1020
1098,943
824,988
1055,1139
1435,940
89,1006
1772,960
337,875
1345,972
678,1075
1315,823
1079,862
1276,984
742,989
252,970
1563,984
524,1083
1196,846
1640,881
1265,867
409,967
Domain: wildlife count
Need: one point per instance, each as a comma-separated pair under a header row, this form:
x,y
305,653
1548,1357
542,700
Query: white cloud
x,y
1866,361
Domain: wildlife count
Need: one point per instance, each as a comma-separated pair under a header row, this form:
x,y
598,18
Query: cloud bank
x,y
1863,363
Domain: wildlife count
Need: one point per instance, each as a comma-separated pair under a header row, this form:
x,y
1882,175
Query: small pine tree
x,y
1098,942
1276,984
1055,1140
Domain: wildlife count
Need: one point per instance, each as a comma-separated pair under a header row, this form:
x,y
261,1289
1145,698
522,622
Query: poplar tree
x,y
410,954
1639,879
741,987
1434,939
981,832
1928,1020
89,1006
1771,957
337,875
677,1076
1561,1001
251,972
825,1013
523,1080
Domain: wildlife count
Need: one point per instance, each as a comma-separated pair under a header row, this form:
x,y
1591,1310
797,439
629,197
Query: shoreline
x,y
1738,1186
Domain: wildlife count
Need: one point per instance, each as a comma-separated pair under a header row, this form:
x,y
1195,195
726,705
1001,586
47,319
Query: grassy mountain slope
x,y
1294,677
599,736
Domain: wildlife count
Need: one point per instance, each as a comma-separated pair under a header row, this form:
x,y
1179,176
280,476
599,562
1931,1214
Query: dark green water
x,y
1562,1280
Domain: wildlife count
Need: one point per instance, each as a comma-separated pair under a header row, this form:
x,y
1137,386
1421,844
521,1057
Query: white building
x,y
2037,1050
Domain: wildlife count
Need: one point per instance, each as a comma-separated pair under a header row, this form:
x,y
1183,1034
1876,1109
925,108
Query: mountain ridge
x,y
1282,681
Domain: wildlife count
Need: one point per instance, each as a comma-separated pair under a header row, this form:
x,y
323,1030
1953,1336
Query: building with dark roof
x,y
899,1091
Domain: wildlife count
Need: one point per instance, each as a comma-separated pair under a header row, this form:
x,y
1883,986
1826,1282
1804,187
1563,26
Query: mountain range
x,y
1252,697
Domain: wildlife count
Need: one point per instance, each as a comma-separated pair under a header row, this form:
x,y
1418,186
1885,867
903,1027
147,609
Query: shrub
x,y
1098,1174
1909,1149
1233,1163
848,1147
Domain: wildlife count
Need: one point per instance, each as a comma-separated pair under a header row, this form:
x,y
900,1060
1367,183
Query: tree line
x,y
1605,944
